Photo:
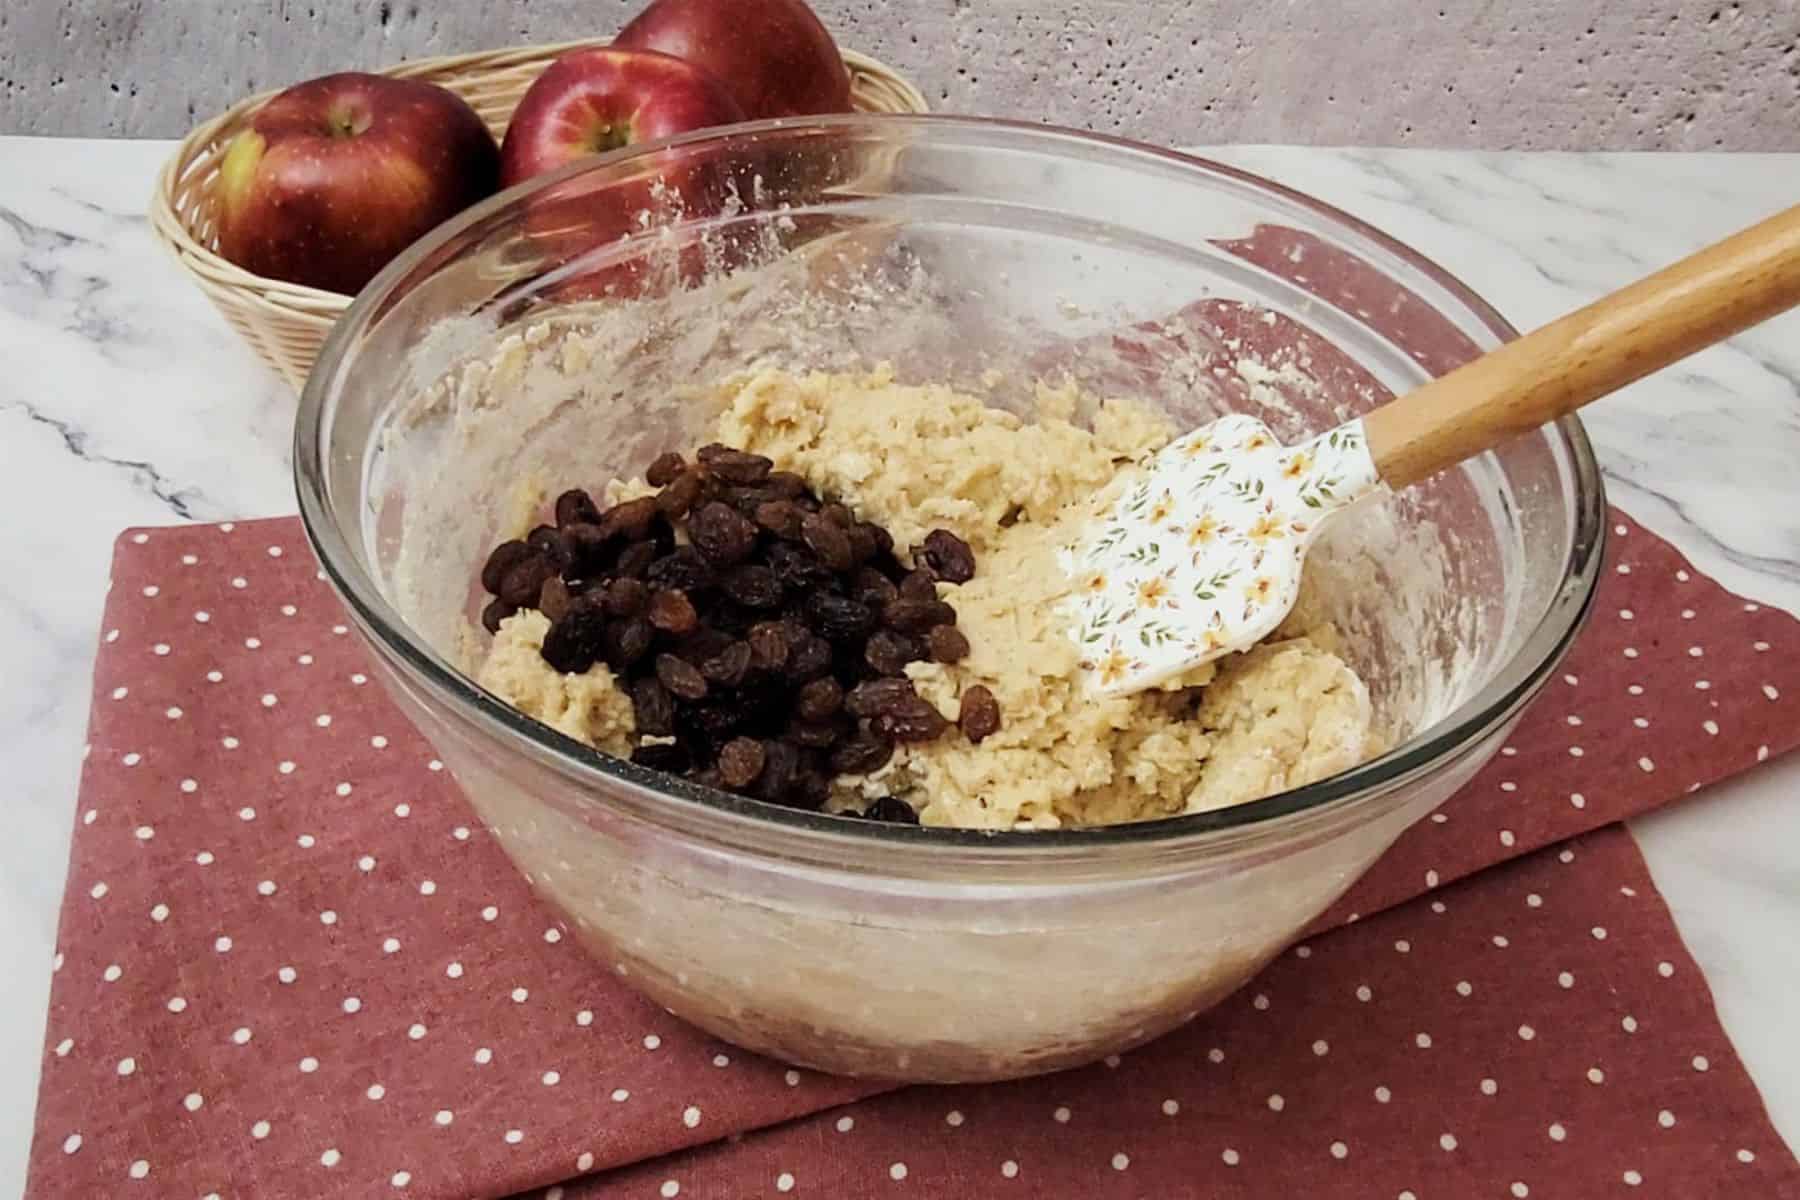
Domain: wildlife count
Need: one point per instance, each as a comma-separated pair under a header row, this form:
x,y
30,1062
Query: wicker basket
x,y
286,323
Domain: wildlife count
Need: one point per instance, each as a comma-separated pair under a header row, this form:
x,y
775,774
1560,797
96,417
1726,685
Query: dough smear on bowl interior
x,y
915,459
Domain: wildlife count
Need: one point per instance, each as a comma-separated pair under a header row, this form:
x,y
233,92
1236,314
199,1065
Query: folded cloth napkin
x,y
291,963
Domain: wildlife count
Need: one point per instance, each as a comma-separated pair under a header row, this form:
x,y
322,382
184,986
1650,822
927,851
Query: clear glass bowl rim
x,y
598,774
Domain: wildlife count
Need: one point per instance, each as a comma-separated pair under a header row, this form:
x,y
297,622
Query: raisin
x,y
684,570
663,470
769,645
797,568
497,610
635,560
631,519
781,518
946,556
728,667
911,720
586,548
811,790
862,544
887,652
893,811
861,755
521,586
753,586
814,735
679,496
819,699
574,643
576,507
662,533
626,641
554,598
626,597
837,617
917,616
704,644
918,585
728,616
781,763
882,540
672,612
878,696
663,756
827,539
734,466
980,714
683,679
872,588
808,658
652,707
946,644
546,539
721,534
740,762
500,561
786,484
838,515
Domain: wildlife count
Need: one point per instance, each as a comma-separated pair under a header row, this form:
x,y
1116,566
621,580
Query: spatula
x,y
1200,553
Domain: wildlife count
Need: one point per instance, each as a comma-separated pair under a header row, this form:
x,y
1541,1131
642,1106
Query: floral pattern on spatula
x,y
1201,552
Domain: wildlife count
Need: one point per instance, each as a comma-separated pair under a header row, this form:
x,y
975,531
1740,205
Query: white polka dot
x,y
1507,838
403,810
98,891
1645,765
1383,1095
690,1116
1321,1047
126,1066
241,1035
792,1078
161,649
1403,946
1632,1178
1061,1116
1431,879
460,833
585,1162
1489,1087
434,765
584,1018
484,1056
1169,1107
454,970
375,1092
415,1031
330,1158
651,1041
1339,1150
1557,1133
1700,1063
139,1169
112,973
190,786
489,913
400,1178
895,1172
1215,1055
784,1182
1641,722
427,887
246,813
287,974
520,995
846,1124
359,678
63,1047
351,1004
620,1096
1229,1157
132,759
87,818
119,693
151,590
274,551
308,1065
1302,951
192,1101
1447,1141
1500,941
72,1143
553,935
177,1004
1364,994
1596,1075
1519,1190
1422,1041
1564,979
1526,1033
1666,1119
1119,1163
260,1130
266,888
1599,932
344,789
1745,1156
552,1078
1276,1103
1629,1024
1701,685
269,700
444,1116
1260,1002
328,917
1533,900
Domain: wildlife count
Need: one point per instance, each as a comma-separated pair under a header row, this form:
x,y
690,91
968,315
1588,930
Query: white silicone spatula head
x,y
1200,552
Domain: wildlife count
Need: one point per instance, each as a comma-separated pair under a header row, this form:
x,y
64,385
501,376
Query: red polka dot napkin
x,y
291,963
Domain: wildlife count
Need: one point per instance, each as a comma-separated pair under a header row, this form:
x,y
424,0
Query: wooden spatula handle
x,y
1552,371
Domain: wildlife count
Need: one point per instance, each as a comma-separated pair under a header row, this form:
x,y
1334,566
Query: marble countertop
x,y
124,399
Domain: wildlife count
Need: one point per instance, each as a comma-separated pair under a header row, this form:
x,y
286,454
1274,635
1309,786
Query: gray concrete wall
x,y
1525,74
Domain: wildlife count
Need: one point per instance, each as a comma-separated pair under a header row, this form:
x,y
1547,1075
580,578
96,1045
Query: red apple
x,y
774,55
336,176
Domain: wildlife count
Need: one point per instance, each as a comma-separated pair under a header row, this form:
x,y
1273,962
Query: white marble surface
x,y
124,399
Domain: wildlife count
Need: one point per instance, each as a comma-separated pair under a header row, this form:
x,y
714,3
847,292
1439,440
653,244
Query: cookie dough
x,y
914,458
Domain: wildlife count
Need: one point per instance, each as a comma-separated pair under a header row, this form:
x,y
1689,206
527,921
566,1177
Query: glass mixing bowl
x,y
567,330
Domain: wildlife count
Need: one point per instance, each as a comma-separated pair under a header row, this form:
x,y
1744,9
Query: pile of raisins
x,y
765,651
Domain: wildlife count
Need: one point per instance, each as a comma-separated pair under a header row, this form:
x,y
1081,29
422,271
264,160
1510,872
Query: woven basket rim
x,y
300,302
